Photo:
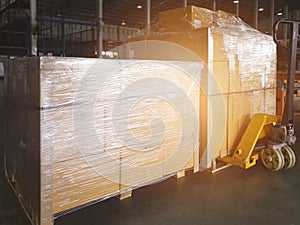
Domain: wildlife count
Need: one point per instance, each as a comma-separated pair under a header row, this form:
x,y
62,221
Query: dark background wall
x,y
1,119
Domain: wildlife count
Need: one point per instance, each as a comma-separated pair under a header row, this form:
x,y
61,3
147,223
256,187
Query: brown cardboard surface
x,y
22,131
220,122
250,103
184,18
80,181
239,116
195,41
221,74
219,48
80,165
270,101
237,69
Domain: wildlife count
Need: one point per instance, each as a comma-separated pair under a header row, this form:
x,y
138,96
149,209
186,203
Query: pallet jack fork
x,y
278,132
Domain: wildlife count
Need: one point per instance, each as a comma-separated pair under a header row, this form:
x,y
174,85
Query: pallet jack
x,y
270,137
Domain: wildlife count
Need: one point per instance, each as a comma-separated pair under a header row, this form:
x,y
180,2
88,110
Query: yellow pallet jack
x,y
269,137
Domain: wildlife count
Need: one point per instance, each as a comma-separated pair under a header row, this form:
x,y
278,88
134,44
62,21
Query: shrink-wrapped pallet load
x,y
83,130
240,63
89,129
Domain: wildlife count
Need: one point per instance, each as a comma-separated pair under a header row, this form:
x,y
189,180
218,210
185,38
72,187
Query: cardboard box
x,y
186,18
190,17
240,62
89,129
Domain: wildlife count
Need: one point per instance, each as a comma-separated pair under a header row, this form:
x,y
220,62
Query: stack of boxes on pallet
x,y
89,129
241,64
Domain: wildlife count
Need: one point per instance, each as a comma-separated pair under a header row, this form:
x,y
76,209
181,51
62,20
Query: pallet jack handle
x,y
288,113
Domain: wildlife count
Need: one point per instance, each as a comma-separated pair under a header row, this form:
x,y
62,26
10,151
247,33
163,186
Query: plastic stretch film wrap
x,y
241,65
190,17
251,56
96,128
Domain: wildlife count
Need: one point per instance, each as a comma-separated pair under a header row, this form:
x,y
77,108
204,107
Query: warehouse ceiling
x,y
128,13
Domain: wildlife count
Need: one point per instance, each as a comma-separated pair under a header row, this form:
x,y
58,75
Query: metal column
x,y
214,5
185,3
148,16
272,11
99,28
296,15
62,38
237,9
285,27
255,14
33,23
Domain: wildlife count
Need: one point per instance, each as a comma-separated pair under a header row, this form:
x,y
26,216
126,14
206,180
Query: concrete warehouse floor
x,y
232,196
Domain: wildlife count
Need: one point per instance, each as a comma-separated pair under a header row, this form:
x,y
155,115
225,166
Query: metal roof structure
x,y
81,17
133,12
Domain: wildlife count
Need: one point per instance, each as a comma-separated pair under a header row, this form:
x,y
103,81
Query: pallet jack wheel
x,y
272,159
289,157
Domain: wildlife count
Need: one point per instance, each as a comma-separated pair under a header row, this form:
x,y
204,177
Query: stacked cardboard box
x,y
82,130
187,18
241,70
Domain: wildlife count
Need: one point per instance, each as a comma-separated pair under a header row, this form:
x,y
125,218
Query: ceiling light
x,y
123,23
260,9
279,14
139,6
235,1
